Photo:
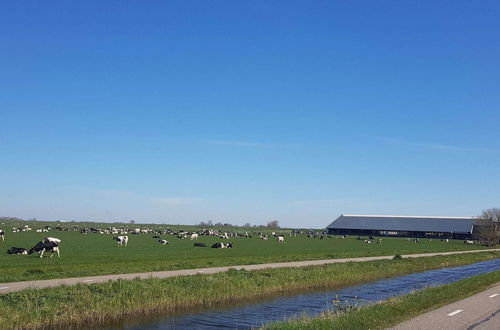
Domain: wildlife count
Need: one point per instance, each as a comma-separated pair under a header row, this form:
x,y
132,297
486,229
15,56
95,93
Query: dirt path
x,y
17,286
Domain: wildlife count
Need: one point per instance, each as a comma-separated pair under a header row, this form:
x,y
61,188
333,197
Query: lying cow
x,y
222,245
199,245
15,250
121,240
50,244
163,241
468,242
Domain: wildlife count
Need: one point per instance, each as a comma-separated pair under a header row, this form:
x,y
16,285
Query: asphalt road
x,y
17,286
479,312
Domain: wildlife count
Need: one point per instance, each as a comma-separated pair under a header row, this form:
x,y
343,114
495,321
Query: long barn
x,y
403,226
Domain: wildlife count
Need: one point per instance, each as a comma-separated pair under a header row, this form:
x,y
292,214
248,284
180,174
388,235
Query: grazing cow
x,y
194,236
281,239
199,244
121,240
468,242
222,245
50,244
15,250
163,241
2,235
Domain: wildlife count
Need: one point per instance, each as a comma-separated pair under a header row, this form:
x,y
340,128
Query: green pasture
x,y
98,254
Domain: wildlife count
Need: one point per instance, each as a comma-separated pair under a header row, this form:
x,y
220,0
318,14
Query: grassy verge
x,y
395,310
88,305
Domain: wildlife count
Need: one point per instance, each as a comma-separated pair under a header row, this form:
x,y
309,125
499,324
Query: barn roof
x,y
404,223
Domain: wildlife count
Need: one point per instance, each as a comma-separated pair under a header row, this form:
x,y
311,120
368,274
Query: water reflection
x,y
282,308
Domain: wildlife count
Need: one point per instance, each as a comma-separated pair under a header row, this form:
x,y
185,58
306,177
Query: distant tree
x,y
248,224
273,224
132,222
488,227
209,223
492,214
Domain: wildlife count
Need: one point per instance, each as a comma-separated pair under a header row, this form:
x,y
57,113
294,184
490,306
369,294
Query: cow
x,y
2,235
222,245
50,244
121,240
199,245
281,239
15,250
162,241
468,242
194,236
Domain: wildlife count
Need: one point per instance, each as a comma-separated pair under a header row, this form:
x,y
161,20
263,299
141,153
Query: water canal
x,y
256,314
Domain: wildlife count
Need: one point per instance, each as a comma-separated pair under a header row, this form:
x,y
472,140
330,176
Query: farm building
x,y
403,226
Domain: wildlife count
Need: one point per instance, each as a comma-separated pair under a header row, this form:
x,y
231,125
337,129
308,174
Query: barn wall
x,y
396,233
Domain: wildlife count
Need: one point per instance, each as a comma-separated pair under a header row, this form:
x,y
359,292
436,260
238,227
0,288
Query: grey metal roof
x,y
404,223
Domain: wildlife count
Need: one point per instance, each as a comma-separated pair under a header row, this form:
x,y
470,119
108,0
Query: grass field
x,y
88,306
395,310
96,254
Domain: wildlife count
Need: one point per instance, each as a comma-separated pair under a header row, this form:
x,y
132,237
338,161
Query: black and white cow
x,y
50,244
15,250
2,235
121,240
222,245
163,241
199,245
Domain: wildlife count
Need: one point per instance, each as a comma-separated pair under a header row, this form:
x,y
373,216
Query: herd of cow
x,y
51,244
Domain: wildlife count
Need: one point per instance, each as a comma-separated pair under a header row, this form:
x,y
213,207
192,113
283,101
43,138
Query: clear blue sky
x,y
248,111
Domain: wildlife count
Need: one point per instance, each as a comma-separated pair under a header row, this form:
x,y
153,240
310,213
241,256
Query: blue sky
x,y
233,111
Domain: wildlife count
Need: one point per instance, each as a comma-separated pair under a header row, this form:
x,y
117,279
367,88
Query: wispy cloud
x,y
435,146
176,201
239,143
322,201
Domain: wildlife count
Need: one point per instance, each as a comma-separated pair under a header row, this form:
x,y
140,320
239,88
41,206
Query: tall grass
x,y
89,305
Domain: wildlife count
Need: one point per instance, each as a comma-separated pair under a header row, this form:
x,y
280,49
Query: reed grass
x,y
395,310
99,304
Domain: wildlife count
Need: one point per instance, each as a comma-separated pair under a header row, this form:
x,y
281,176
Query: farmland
x,y
98,254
